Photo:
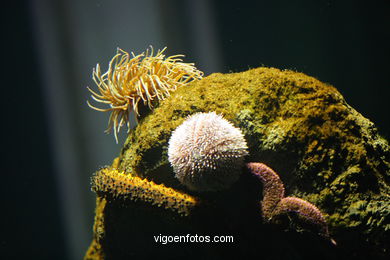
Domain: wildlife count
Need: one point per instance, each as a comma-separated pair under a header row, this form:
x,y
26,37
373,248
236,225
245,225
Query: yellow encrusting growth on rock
x,y
113,184
140,78
95,250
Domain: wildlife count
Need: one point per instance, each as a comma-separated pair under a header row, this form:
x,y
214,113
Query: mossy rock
x,y
324,151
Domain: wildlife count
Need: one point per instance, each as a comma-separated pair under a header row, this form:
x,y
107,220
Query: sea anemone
x,y
141,78
207,152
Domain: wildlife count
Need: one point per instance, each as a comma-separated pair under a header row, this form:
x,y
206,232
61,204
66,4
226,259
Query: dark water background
x,y
56,142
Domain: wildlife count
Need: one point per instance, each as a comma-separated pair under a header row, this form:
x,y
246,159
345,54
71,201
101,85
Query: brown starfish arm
x,y
305,211
273,190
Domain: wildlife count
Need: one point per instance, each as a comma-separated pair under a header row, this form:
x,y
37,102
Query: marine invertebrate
x,y
207,152
291,120
273,188
304,210
113,184
274,204
140,78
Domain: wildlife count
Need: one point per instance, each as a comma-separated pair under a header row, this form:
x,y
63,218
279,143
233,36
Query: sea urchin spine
x,y
207,152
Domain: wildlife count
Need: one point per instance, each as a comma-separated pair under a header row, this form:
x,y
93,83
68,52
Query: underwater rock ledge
x,y
325,152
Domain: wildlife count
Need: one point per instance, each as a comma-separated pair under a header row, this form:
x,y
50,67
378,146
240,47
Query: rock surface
x,y
324,151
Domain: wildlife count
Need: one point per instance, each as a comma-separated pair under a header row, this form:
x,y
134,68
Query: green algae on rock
x,y
329,153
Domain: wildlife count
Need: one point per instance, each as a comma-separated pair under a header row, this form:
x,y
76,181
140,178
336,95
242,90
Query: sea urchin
x,y
207,152
142,78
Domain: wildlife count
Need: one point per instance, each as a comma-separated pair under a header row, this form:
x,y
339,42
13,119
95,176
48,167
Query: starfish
x,y
275,204
113,184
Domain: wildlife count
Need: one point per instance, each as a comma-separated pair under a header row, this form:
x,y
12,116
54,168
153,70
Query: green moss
x,y
323,149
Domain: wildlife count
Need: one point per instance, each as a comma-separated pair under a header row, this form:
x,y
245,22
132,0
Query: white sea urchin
x,y
207,152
